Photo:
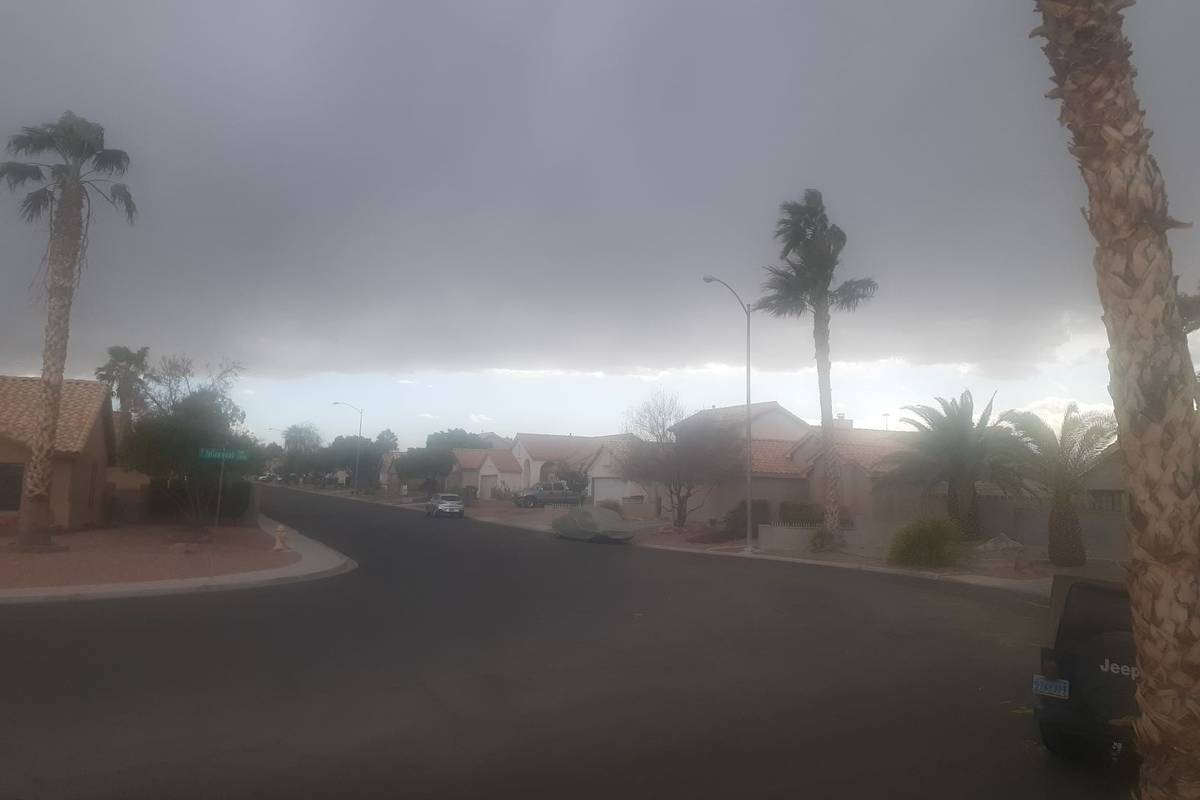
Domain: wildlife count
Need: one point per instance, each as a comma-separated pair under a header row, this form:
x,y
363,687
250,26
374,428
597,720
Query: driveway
x,y
464,659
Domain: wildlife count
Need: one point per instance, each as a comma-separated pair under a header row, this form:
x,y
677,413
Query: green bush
x,y
735,520
611,505
926,543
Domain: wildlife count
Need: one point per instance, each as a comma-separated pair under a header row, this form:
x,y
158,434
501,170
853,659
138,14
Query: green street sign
x,y
218,454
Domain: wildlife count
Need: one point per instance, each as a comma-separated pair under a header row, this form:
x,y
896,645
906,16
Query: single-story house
x,y
788,465
84,449
606,481
541,456
485,470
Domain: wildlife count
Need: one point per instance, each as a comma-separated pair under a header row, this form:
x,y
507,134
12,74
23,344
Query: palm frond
x,y
15,173
111,162
122,199
1032,431
33,141
800,222
788,291
80,139
852,292
36,203
986,416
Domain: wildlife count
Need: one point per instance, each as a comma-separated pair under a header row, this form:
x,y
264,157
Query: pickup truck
x,y
1084,689
547,493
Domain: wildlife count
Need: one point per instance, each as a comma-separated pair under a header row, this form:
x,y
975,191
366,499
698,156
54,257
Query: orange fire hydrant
x,y
280,538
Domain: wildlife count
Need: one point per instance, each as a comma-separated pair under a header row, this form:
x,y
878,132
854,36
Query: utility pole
x,y
749,440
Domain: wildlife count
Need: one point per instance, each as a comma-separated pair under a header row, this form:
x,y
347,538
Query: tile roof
x,y
504,460
774,457
862,446
473,458
732,415
83,402
577,450
469,457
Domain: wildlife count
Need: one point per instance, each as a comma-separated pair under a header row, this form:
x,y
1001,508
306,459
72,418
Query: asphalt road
x,y
468,660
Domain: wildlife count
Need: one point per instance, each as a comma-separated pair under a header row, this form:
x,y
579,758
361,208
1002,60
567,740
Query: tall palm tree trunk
x,y
62,260
833,467
1152,382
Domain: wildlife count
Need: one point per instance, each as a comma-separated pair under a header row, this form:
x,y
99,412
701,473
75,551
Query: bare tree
x,y
652,420
688,469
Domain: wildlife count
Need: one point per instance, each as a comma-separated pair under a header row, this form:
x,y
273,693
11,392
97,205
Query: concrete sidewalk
x,y
316,561
1032,587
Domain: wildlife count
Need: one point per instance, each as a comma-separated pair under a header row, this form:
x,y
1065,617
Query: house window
x,y
10,486
1107,500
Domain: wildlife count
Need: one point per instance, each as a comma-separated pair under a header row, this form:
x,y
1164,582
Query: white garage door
x,y
486,484
608,489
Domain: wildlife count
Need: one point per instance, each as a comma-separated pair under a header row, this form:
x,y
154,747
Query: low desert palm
x,y
1151,378
802,285
954,449
68,163
1059,463
125,373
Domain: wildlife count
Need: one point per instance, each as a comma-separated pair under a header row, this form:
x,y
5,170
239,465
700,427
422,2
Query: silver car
x,y
445,505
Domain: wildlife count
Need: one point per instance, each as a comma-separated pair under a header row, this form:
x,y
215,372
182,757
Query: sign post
x,y
222,455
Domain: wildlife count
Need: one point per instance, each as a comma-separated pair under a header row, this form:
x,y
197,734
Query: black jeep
x,y
1084,692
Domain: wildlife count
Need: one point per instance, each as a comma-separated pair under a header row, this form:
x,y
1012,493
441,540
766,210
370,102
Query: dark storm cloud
x,y
540,185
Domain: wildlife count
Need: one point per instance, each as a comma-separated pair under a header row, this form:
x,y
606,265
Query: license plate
x,y
1051,687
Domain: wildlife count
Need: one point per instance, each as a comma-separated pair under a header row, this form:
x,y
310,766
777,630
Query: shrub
x,y
802,513
926,543
799,513
611,505
735,520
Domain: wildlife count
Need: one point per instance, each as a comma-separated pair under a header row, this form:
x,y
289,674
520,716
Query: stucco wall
x,y
725,497
68,493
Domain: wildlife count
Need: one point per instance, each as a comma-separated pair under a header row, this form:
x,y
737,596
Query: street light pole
x,y
357,442
749,441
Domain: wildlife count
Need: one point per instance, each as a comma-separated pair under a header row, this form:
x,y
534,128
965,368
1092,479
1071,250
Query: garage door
x,y
486,484
608,489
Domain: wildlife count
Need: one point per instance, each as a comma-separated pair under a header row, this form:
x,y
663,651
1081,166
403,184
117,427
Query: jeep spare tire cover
x,y
1105,675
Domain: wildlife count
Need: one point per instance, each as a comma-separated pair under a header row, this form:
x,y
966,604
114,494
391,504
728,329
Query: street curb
x,y
1037,587
316,561
406,507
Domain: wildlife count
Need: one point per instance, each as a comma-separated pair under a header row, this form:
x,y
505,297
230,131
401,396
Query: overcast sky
x,y
496,214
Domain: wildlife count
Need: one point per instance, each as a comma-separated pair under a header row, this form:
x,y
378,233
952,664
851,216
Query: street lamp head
x,y
709,278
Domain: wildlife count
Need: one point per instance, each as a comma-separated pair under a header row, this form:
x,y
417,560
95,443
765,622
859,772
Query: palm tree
x,y
1059,463
69,180
801,285
1152,382
955,449
125,373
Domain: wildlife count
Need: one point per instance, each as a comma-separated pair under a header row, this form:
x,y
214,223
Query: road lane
x,y
463,659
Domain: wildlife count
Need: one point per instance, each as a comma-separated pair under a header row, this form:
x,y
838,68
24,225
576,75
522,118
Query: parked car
x,y
1084,691
445,505
547,493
